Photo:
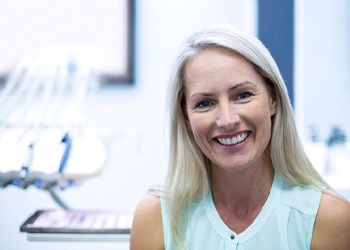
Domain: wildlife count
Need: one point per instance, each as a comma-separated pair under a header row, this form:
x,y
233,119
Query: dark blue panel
x,y
276,31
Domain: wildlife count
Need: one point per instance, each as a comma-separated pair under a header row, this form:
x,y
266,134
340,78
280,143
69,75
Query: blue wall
x,y
276,31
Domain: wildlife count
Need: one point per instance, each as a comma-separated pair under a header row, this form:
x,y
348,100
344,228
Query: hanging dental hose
x,y
42,137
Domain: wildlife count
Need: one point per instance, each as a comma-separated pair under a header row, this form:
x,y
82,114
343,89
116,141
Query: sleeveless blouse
x,y
286,221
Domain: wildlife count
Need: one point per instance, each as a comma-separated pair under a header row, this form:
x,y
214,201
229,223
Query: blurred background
x,y
133,50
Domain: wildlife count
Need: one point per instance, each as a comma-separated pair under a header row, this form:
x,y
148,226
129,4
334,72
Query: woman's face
x,y
228,109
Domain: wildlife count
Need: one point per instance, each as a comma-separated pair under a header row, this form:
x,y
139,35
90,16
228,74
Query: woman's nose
x,y
227,117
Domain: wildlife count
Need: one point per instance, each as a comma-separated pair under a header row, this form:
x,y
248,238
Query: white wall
x,y
322,64
322,85
129,120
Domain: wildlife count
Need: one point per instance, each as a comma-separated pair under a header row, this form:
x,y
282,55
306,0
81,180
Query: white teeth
x,y
233,140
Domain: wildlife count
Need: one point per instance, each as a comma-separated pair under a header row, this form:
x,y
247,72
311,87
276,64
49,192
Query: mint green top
x,y
286,221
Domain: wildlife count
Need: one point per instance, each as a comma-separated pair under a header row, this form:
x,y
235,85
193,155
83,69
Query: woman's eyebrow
x,y
209,94
204,94
241,84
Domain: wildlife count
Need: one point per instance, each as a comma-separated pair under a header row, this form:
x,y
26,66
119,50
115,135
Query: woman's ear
x,y
272,96
184,112
273,106
188,124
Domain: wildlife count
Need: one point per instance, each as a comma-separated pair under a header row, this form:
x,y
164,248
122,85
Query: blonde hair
x,y
188,173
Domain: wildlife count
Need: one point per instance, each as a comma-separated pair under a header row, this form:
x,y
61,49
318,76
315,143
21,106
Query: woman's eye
x,y
244,95
203,104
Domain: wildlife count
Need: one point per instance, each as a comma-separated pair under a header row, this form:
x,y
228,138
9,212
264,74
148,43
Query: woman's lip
x,y
226,136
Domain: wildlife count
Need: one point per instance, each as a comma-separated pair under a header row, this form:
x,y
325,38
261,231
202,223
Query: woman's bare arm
x,y
332,225
147,228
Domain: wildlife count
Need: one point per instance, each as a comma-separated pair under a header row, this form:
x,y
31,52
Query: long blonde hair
x,y
188,172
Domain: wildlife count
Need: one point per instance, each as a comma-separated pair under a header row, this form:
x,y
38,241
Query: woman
x,y
238,176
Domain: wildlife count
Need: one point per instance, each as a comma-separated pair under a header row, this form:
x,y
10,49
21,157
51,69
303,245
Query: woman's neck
x,y
239,197
250,184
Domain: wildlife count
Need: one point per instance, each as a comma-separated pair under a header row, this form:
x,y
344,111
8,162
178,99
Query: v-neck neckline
x,y
259,221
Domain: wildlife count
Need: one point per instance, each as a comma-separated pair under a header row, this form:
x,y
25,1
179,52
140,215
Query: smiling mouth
x,y
233,140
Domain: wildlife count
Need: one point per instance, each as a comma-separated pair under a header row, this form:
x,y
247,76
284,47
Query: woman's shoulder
x,y
303,198
147,231
332,225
